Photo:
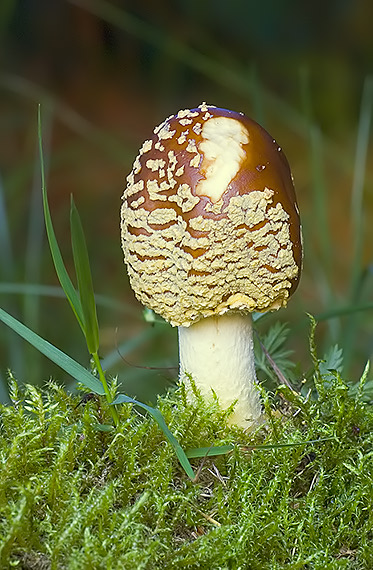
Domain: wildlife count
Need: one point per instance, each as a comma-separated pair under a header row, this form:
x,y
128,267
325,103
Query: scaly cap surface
x,y
210,222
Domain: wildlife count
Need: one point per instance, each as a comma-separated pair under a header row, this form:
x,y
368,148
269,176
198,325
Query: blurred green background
x,y
107,72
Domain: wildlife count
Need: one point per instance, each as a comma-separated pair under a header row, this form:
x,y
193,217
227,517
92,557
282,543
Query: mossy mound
x,y
75,497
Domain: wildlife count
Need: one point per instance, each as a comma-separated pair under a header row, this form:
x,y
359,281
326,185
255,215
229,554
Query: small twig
x,y
313,482
200,467
216,473
137,365
208,518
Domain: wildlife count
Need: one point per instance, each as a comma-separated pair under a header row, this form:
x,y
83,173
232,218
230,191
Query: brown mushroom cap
x,y
210,222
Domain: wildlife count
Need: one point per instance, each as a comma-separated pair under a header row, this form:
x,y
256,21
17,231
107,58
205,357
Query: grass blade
x,y
7,271
223,449
63,276
346,310
157,416
84,277
62,360
37,289
357,193
208,451
358,215
6,254
35,247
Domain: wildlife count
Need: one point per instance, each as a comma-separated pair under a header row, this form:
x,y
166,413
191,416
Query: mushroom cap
x,y
210,222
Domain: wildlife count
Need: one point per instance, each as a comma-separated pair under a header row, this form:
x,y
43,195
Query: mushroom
x,y
211,233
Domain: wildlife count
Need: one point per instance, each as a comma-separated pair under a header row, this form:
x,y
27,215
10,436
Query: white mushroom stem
x,y
218,353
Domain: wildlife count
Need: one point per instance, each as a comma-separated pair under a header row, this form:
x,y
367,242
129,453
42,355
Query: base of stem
x,y
218,353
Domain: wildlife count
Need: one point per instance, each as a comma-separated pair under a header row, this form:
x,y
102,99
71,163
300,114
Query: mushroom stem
x,y
218,353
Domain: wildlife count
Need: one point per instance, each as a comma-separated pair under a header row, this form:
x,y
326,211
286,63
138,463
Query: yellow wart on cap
x,y
222,140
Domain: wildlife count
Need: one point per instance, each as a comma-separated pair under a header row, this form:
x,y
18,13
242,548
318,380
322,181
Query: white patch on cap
x,y
223,155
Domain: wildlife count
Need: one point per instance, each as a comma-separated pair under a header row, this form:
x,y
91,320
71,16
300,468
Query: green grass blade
x,y
157,416
7,271
6,254
281,445
37,289
358,215
62,360
84,277
59,265
223,449
357,193
208,451
35,248
346,310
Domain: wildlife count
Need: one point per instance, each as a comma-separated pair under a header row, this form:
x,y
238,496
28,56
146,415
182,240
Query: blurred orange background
x,y
107,72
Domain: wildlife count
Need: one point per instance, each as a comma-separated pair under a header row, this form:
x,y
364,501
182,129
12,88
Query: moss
x,y
75,497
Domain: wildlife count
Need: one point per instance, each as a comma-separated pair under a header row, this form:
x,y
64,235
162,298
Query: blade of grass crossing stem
x,y
157,416
84,277
223,449
195,452
63,276
62,360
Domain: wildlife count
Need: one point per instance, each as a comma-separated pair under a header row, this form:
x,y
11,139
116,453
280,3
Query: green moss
x,y
75,497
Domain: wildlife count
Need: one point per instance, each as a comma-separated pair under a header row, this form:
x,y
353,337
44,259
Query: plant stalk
x,y
102,377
